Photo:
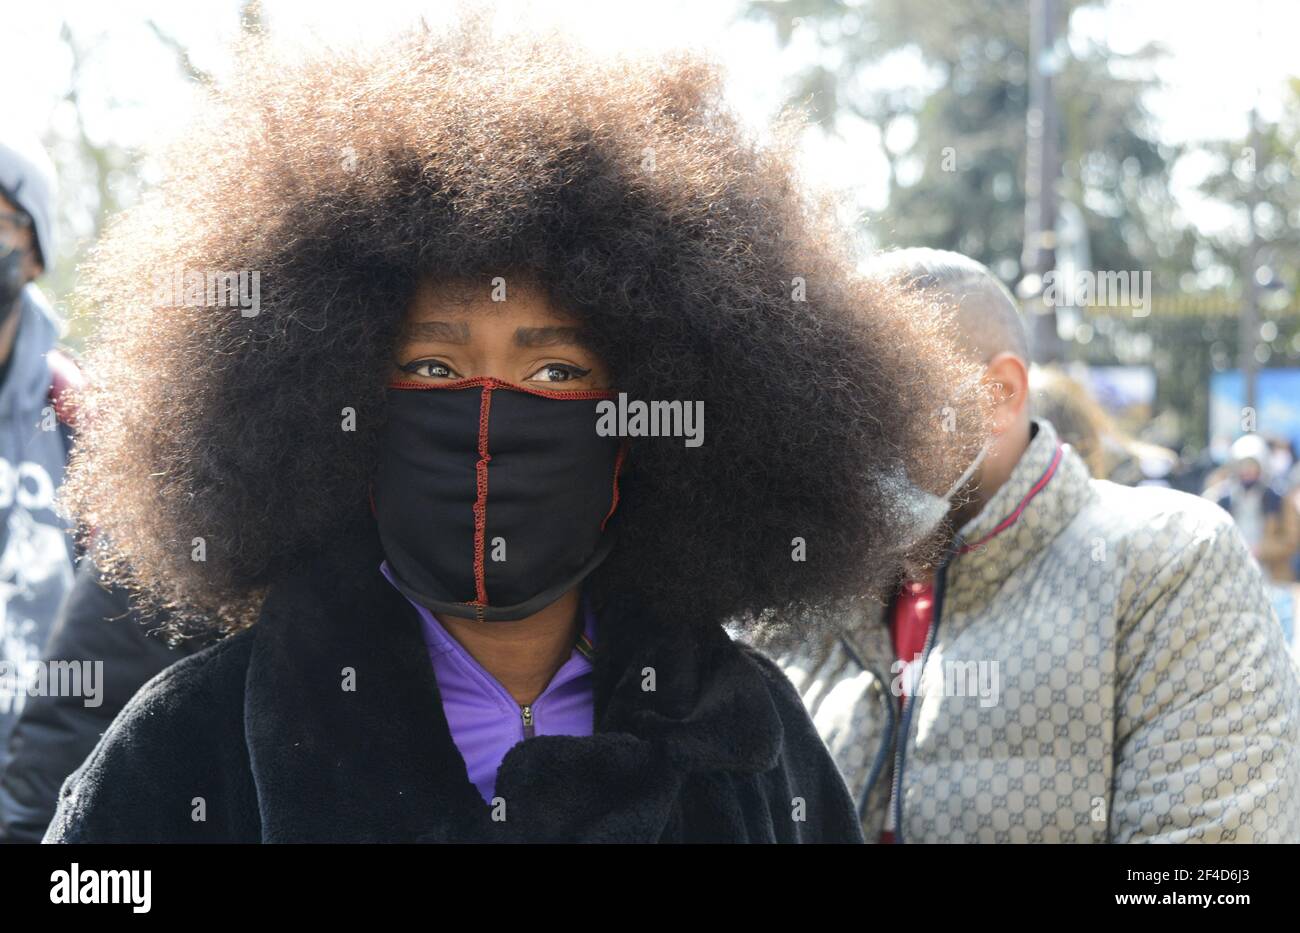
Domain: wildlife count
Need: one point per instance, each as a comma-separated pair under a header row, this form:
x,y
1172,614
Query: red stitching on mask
x,y
618,465
491,382
488,384
480,504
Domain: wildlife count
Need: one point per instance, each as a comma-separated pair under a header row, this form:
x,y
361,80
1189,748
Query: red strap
x,y
65,380
913,616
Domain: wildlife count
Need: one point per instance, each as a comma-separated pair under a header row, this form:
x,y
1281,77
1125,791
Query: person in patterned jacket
x,y
1087,662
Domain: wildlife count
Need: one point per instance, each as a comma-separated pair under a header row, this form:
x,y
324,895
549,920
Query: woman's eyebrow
x,y
443,331
548,336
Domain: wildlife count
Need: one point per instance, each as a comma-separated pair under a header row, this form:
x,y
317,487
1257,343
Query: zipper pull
x,y
526,713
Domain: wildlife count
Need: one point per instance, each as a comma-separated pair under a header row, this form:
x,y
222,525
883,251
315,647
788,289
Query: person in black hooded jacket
x,y
56,731
438,470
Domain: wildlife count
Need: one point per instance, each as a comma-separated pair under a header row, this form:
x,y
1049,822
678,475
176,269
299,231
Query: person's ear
x,y
1007,379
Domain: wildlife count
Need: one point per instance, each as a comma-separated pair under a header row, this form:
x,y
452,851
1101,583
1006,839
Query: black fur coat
x,y
255,739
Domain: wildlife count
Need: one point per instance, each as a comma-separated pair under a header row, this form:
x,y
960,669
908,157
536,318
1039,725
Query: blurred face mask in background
x,y
12,281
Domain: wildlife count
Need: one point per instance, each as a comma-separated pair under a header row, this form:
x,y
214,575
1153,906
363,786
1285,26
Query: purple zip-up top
x,y
484,719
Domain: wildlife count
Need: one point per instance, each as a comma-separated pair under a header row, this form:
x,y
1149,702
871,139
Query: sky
x,y
1225,56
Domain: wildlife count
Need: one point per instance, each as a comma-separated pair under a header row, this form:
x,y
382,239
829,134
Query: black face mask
x,y
12,281
492,498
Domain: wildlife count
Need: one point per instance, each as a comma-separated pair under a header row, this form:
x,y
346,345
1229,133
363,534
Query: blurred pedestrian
x,y
99,625
1247,493
36,553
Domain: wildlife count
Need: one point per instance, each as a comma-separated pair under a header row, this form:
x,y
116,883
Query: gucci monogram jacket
x,y
1103,666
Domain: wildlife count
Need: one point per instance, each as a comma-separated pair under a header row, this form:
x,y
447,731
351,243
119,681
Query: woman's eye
x,y
558,372
429,369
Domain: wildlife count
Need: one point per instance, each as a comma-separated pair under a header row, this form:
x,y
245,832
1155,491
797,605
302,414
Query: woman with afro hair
x,y
454,608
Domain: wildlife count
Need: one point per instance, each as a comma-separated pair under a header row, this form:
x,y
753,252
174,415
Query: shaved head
x,y
987,318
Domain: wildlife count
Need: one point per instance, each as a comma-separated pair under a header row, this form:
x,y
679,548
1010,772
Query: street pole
x,y
1042,164
1248,335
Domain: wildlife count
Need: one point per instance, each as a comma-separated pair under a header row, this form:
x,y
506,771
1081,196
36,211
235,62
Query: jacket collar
x,y
348,742
1047,488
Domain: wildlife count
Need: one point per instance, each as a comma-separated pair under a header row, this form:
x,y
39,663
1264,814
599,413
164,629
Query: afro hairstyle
x,y
687,247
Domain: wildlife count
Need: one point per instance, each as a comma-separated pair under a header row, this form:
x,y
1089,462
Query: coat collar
x,y
348,742
1047,488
